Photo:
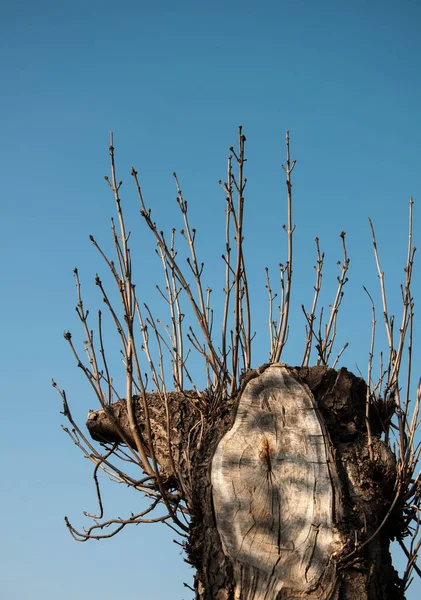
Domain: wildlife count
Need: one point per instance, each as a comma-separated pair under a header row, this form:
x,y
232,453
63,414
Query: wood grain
x,y
274,488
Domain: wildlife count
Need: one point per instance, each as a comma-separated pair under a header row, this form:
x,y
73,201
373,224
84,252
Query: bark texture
x,y
279,483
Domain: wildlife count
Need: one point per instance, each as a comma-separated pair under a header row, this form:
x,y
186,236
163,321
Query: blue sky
x,y
173,81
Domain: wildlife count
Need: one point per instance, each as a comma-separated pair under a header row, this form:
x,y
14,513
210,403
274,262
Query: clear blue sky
x,y
173,80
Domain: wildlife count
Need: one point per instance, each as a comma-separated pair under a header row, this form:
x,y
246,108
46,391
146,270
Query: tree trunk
x,y
280,485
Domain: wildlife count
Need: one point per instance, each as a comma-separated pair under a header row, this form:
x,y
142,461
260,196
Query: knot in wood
x,y
266,452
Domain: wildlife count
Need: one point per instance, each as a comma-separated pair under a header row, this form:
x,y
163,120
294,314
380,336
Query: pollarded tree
x,y
282,481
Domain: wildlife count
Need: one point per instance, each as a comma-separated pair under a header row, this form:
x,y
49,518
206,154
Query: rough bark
x,y
280,485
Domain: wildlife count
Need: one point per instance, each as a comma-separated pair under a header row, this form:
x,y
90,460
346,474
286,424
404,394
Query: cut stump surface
x,y
275,491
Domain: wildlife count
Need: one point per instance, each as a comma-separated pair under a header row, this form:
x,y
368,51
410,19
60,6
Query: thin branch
x,y
282,336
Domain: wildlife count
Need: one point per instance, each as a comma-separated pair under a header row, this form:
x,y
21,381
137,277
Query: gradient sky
x,y
173,80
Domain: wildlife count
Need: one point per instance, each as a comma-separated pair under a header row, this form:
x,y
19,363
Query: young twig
x,y
282,333
369,394
312,316
326,344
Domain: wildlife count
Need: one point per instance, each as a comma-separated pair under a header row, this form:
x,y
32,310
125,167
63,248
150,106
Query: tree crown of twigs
x,y
226,352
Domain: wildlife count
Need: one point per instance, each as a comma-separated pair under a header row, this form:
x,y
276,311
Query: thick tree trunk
x,y
280,485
